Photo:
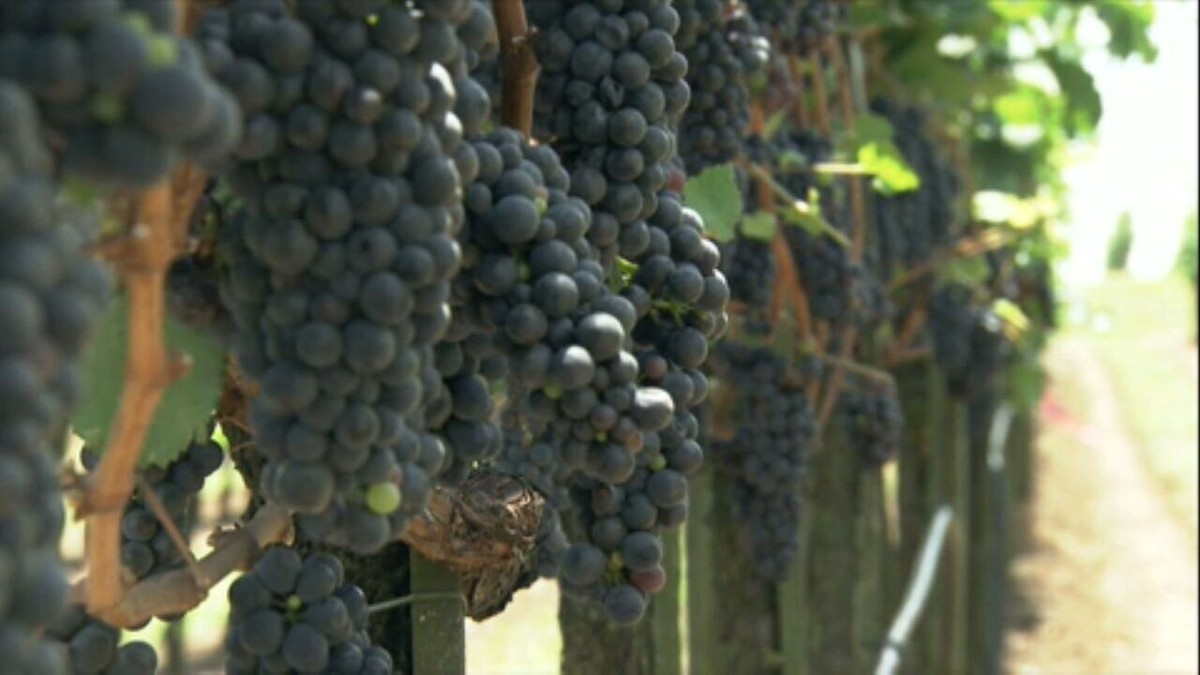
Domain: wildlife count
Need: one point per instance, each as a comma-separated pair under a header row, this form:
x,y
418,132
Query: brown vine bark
x,y
518,63
156,236
176,591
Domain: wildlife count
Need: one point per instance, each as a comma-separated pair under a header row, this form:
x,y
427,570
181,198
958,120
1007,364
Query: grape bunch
x,y
774,427
951,319
713,127
92,646
289,614
611,93
750,268
146,548
799,25
122,98
533,298
874,421
51,297
612,84
911,227
340,262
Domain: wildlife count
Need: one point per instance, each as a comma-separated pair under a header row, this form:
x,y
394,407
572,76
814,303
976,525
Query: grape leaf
x,y
714,194
186,405
879,156
759,226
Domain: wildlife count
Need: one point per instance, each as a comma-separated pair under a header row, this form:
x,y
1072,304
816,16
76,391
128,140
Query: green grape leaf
x,y
186,405
1015,322
759,226
879,156
714,194
892,173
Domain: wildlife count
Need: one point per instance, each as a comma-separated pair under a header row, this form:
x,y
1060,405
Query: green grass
x,y
1146,348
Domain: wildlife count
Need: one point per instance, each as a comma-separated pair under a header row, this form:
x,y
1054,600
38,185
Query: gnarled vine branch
x,y
157,235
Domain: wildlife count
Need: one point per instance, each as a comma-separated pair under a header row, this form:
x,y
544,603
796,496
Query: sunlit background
x,y
1144,157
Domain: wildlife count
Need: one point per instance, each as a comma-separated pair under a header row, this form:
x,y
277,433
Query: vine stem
x,y
177,591
861,369
156,507
518,63
822,103
858,206
909,355
794,203
143,256
988,240
787,281
836,379
908,331
800,107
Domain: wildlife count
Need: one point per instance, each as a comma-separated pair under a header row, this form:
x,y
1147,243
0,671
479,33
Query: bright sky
x,y
1145,158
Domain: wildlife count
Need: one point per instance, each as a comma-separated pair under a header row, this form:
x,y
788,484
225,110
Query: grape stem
x,y
860,369
519,66
177,591
858,206
158,234
834,386
913,323
796,204
156,507
822,95
988,240
800,105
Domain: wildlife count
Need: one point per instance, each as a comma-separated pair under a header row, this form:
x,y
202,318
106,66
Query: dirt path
x,y
1111,580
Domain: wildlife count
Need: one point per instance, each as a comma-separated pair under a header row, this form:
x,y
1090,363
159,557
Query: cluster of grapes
x,y
340,264
534,292
612,83
775,426
714,125
92,646
146,548
121,97
909,228
874,421
51,296
611,91
951,318
289,614
817,21
750,268
968,344
798,25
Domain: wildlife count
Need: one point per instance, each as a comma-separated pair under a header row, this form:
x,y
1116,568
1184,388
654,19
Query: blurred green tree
x,y
1121,243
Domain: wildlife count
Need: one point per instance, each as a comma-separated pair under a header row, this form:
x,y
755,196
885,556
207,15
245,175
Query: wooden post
x,y
438,639
739,628
795,624
870,620
833,556
701,577
982,548
930,476
666,610
956,490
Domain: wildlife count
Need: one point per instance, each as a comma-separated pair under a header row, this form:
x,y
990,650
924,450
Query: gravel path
x,y
1111,583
